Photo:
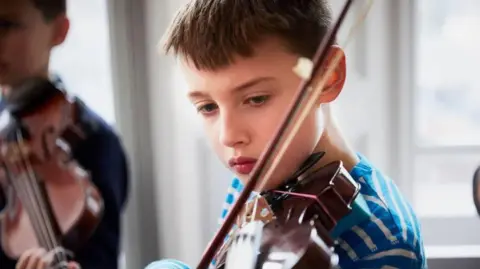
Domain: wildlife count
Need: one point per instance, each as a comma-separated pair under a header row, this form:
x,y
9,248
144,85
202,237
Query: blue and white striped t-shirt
x,y
390,237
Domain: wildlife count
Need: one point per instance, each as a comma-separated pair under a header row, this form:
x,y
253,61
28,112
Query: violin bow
x,y
302,93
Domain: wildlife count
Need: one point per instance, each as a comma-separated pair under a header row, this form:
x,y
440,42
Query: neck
x,y
335,147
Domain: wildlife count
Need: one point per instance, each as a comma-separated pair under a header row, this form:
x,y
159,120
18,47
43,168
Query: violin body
x,y
288,245
51,201
296,230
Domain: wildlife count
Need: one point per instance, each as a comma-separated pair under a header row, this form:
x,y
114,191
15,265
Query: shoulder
x,y
392,234
103,156
102,139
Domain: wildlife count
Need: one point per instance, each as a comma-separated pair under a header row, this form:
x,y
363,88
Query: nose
x,y
233,130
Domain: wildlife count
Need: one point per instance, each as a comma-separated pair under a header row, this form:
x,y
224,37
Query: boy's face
x,y
242,106
26,40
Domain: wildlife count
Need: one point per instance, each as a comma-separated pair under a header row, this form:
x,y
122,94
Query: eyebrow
x,y
8,16
242,87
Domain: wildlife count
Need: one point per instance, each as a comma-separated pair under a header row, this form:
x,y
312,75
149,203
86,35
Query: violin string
x,y
30,207
310,102
60,255
35,204
308,196
47,221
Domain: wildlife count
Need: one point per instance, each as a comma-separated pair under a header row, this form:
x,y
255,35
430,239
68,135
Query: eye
x,y
258,100
5,24
207,108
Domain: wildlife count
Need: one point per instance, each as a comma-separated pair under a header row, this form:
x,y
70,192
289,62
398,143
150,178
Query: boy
x,y
29,30
237,57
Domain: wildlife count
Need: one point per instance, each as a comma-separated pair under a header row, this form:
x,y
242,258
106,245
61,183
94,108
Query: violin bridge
x,y
257,210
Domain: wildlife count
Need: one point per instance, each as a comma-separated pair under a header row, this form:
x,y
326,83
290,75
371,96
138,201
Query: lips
x,y
242,165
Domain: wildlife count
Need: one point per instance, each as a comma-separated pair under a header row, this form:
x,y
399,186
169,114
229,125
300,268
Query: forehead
x,y
15,7
270,60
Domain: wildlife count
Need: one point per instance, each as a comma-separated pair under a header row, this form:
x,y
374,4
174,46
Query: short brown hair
x,y
50,8
209,33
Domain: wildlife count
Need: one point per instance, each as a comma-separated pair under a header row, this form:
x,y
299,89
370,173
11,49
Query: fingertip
x,y
73,265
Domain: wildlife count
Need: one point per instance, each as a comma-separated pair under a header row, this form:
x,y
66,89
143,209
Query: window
x,y
446,134
439,130
83,61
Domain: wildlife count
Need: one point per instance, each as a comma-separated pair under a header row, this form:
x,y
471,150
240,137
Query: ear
x,y
336,80
61,26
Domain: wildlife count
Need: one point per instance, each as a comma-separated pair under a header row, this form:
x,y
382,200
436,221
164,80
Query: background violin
x,y
50,201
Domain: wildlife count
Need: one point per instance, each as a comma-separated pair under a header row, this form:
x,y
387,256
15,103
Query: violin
x,y
51,202
299,217
298,234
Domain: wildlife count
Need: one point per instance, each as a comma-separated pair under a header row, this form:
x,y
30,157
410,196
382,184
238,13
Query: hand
x,y
39,258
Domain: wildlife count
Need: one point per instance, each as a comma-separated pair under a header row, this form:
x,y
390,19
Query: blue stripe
x,y
230,198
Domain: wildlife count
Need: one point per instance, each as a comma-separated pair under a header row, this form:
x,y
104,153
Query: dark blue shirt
x,y
101,154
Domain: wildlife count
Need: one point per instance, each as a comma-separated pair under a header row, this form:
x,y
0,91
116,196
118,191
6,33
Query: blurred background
x,y
411,104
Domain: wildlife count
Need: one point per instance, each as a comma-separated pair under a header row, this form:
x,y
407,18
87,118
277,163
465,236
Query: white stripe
x,y
164,264
226,206
388,267
378,188
393,252
375,200
235,196
365,237
410,216
388,234
350,252
395,204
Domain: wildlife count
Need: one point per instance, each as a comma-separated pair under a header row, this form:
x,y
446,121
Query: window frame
x,y
435,229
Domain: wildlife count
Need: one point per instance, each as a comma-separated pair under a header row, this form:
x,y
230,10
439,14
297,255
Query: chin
x,y
244,179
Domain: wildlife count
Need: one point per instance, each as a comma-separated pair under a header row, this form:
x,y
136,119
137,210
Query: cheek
x,y
13,46
27,50
212,135
17,51
298,150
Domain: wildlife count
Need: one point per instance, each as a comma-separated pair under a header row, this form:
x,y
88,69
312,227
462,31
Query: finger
x,y
73,265
58,255
44,262
25,258
22,261
35,258
30,259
